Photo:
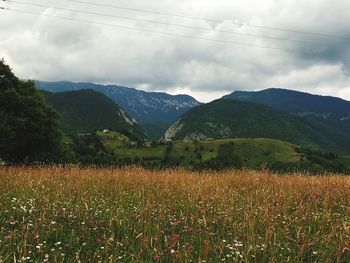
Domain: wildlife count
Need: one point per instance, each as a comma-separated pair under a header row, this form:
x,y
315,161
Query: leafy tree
x,y
89,150
225,159
28,126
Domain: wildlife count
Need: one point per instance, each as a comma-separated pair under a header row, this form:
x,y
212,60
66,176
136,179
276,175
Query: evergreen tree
x,y
28,126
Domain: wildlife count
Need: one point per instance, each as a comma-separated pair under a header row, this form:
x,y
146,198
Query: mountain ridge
x,y
154,111
225,118
329,110
289,98
88,111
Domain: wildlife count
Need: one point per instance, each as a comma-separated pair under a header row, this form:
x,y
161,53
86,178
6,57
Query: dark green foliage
x,y
313,161
89,150
229,119
325,109
28,126
168,150
326,161
154,130
226,159
86,111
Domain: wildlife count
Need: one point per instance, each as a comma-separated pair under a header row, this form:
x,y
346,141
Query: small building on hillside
x,y
147,144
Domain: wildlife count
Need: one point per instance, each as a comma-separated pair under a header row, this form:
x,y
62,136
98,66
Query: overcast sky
x,y
51,49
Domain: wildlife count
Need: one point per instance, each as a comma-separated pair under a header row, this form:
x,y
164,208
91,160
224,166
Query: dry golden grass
x,y
136,215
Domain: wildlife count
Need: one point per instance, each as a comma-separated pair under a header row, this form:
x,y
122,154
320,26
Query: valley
x,y
88,128
242,153
242,130
154,111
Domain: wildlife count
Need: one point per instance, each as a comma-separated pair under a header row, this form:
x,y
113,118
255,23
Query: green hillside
x,y
230,119
87,111
124,148
331,111
255,153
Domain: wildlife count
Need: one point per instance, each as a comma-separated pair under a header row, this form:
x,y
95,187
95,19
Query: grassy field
x,y
254,153
120,145
135,215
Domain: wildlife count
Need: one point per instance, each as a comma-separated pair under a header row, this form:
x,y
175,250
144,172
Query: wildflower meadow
x,y
136,215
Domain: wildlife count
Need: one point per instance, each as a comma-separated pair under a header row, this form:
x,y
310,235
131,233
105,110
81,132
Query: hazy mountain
x,y
88,111
228,119
154,111
330,110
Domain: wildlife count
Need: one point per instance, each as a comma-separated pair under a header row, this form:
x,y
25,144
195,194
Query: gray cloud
x,y
52,49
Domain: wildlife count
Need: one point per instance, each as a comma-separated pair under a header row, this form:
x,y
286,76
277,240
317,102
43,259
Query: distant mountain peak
x,y
293,101
328,110
154,111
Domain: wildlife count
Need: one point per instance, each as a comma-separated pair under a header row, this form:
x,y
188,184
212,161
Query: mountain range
x,y
154,111
314,121
89,124
230,119
86,111
332,111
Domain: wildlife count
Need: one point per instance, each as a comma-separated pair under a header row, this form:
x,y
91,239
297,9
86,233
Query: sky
x,y
203,48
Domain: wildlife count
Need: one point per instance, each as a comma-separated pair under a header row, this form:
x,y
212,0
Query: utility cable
x,y
160,23
214,20
152,31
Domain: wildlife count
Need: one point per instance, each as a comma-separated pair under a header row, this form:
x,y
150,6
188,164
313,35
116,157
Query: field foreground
x,y
135,215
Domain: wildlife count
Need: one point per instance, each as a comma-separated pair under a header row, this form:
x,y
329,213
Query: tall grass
x,y
136,215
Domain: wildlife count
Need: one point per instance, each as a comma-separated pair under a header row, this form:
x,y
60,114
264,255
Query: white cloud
x,y
54,49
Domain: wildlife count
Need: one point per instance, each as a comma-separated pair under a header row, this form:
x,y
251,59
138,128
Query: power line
x,y
316,34
153,31
146,30
160,23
